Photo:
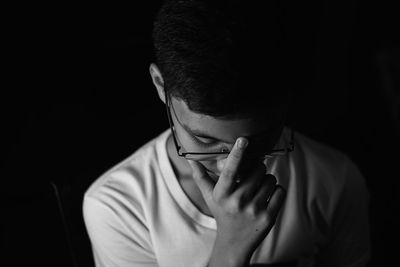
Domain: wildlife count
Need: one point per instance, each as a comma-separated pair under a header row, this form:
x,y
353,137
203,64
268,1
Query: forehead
x,y
225,129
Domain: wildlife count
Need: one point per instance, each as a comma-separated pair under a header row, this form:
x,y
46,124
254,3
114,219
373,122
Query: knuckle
x,y
233,206
253,211
236,154
229,172
268,218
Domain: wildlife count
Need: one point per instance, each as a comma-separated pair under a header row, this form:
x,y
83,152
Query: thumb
x,y
202,179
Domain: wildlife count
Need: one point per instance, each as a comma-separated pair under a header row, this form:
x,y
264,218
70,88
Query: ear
x,y
158,80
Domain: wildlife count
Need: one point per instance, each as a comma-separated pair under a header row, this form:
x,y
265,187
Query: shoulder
x,y
328,175
115,207
130,180
323,164
318,152
337,200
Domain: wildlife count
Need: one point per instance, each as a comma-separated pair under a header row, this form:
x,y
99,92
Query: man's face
x,y
202,133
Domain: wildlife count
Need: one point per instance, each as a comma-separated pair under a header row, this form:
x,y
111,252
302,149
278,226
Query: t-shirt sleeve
x,y
116,242
349,244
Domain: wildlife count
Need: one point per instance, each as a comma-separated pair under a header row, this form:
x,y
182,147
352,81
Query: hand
x,y
242,211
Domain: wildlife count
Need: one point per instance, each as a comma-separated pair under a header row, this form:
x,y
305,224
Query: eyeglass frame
x,y
168,105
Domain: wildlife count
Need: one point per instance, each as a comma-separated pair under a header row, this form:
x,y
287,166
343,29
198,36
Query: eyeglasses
x,y
206,156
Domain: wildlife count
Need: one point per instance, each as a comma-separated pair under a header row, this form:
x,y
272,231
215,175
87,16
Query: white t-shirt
x,y
137,214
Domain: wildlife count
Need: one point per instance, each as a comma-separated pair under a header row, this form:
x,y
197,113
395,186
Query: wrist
x,y
227,260
226,254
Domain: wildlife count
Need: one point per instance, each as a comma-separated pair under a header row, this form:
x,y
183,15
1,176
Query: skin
x,y
243,213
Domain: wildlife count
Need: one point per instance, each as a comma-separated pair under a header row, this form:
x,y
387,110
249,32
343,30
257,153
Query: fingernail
x,y
242,143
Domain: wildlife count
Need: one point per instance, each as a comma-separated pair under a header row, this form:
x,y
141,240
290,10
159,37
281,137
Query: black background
x,y
78,99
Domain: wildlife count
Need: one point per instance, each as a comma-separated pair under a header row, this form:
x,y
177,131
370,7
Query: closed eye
x,y
206,141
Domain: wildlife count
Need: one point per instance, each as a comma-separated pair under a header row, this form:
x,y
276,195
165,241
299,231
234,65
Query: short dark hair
x,y
222,58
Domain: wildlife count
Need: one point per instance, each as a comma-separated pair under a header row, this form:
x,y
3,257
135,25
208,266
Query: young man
x,y
228,184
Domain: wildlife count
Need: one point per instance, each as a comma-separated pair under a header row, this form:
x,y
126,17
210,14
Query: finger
x,y
251,183
254,179
227,179
271,185
263,195
275,203
202,179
